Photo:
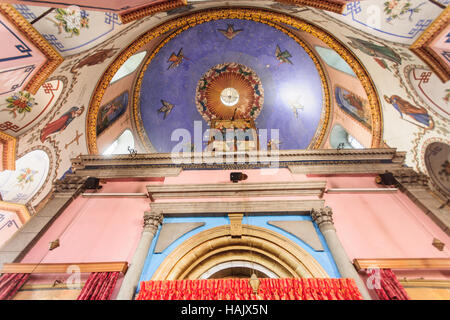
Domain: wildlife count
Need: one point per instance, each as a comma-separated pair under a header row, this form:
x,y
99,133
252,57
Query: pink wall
x,y
95,230
369,225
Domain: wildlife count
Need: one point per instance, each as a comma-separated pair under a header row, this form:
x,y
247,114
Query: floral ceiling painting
x,y
21,185
69,29
394,20
21,110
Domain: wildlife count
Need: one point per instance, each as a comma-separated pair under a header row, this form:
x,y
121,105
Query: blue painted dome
x,y
293,92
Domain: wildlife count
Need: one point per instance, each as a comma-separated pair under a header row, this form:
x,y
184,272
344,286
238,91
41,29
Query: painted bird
x,y
230,33
176,59
166,108
283,56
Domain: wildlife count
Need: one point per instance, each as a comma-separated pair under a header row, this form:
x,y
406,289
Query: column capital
x,y
322,216
152,220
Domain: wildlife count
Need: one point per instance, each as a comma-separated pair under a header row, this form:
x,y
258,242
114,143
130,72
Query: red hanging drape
x,y
10,283
239,289
99,286
389,287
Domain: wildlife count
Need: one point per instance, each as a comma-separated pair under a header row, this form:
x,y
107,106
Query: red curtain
x,y
239,289
10,283
99,286
389,287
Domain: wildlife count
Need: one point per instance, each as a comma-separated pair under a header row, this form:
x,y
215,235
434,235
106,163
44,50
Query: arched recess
x,y
340,137
260,15
215,246
122,144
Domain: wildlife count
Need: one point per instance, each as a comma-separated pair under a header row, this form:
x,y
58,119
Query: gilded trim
x,y
183,23
19,209
54,59
421,46
151,10
8,151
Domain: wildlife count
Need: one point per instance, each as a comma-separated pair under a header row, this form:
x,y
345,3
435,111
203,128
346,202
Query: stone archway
x,y
215,246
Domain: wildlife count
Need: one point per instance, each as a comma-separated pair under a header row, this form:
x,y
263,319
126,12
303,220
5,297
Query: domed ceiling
x,y
232,69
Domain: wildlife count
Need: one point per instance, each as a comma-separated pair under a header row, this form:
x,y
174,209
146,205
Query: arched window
x,y
340,138
334,60
21,185
122,144
129,66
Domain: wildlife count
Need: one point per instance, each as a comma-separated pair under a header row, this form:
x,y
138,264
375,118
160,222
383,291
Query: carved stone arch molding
x,y
260,15
214,246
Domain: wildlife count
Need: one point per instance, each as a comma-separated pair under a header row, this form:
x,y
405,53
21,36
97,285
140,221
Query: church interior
x,y
225,150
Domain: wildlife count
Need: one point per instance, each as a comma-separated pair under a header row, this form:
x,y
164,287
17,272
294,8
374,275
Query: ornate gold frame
x,y
19,209
260,15
54,59
151,9
336,6
421,46
8,151
213,246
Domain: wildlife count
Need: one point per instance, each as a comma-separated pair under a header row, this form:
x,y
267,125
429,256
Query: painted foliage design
x,y
20,103
354,106
70,20
110,112
397,8
20,185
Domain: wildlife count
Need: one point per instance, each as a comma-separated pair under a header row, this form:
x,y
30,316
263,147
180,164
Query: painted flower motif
x,y
71,21
20,102
396,8
26,176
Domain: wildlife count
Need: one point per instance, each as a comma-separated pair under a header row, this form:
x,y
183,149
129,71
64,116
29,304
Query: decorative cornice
x,y
70,185
221,190
8,151
54,59
336,6
151,10
421,46
271,18
353,160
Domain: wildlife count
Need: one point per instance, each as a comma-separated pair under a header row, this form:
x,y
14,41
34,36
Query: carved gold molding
x,y
271,18
151,9
8,151
421,46
336,6
21,210
54,59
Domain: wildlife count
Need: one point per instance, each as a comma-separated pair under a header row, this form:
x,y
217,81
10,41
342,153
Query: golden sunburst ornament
x,y
229,91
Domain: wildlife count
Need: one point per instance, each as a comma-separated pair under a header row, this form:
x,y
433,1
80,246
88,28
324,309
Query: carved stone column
x,y
152,220
64,192
324,219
